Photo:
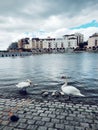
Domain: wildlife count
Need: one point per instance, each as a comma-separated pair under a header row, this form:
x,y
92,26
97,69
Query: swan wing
x,y
23,84
70,90
75,91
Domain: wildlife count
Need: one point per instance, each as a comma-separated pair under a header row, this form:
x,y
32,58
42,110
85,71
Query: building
x,y
93,41
48,43
24,43
71,41
51,44
34,43
54,43
80,38
20,44
68,41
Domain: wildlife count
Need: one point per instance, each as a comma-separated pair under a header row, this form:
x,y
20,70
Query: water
x,y
46,71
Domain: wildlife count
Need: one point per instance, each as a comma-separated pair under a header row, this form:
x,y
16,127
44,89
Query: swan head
x,y
63,77
28,80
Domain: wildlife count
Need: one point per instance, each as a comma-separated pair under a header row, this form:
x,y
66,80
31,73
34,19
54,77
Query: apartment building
x,y
71,41
67,41
93,41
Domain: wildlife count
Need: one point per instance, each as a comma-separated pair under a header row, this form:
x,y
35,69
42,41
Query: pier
x,y
14,54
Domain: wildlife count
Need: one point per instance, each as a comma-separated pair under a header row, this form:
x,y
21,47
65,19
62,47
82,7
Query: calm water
x,y
46,71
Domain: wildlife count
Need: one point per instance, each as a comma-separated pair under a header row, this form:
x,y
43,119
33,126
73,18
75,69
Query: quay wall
x,y
34,51
13,54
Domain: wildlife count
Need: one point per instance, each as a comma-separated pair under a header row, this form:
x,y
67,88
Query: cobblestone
x,y
47,115
59,126
31,127
42,128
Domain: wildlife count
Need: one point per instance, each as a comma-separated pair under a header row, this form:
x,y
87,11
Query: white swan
x,y
24,85
70,90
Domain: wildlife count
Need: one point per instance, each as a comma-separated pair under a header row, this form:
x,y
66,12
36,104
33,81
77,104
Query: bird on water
x,y
24,85
70,90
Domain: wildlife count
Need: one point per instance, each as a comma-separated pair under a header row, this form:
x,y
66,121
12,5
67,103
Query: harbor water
x,y
46,71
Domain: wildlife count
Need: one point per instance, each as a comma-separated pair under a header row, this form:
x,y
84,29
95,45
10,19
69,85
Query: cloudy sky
x,y
43,18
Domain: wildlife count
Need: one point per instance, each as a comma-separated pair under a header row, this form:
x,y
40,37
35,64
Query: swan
x,y
70,90
24,85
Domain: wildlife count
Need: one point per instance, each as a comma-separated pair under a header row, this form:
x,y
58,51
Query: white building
x,y
60,42
48,43
71,41
93,41
67,41
54,43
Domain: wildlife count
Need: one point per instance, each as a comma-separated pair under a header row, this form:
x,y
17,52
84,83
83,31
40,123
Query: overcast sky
x,y
42,18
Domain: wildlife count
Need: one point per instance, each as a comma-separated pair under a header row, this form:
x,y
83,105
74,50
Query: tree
x,y
13,46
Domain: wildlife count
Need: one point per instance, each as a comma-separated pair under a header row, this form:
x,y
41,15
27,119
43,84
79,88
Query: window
x,y
55,45
95,42
41,45
49,45
36,45
68,44
62,46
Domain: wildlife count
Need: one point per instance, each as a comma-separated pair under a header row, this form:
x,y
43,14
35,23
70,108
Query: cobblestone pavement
x,y
47,115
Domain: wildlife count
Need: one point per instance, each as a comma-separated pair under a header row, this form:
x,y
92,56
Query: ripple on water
x,y
46,70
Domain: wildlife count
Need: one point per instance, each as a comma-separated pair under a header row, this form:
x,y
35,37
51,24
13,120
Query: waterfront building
x,y
24,43
49,43
80,38
36,43
66,42
74,40
20,44
54,43
93,41
71,41
60,43
33,42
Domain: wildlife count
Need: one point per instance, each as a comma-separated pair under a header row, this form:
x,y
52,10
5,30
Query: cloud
x,y
55,17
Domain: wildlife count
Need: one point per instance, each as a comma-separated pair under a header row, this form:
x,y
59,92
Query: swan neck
x,y
66,82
